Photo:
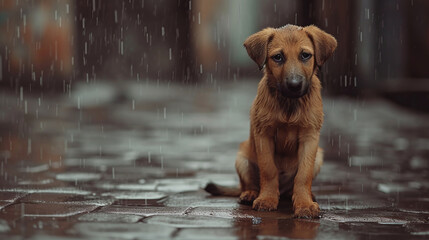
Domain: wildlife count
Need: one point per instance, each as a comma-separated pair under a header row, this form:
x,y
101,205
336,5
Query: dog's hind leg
x,y
248,174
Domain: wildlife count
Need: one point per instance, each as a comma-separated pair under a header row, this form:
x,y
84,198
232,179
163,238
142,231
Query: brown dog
x,y
282,153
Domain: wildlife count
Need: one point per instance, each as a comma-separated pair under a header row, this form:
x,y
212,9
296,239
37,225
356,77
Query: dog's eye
x,y
305,56
277,58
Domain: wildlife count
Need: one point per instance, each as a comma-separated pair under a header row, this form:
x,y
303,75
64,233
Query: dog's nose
x,y
294,83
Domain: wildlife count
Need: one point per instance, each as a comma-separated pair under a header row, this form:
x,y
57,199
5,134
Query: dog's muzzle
x,y
294,86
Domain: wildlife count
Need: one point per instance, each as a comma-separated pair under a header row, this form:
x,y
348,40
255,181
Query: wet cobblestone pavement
x,y
129,161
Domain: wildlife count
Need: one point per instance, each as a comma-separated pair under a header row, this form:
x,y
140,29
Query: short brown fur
x,y
282,153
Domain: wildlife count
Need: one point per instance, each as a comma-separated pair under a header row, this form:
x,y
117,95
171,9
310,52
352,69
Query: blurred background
x,y
48,46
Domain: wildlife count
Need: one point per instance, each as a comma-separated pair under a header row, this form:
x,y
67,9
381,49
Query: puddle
x,y
4,226
190,221
109,217
122,230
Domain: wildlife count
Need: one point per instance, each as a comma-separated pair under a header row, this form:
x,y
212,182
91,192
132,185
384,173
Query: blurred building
x,y
382,45
37,44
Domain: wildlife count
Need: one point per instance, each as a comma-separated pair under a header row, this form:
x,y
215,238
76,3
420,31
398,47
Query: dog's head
x,y
291,56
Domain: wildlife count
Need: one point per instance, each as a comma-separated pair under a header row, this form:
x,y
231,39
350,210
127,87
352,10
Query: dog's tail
x,y
218,190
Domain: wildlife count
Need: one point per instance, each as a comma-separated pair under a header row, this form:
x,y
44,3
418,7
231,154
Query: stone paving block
x,y
143,210
350,201
109,217
241,213
3,204
34,168
133,195
56,210
38,182
229,213
137,172
66,198
188,221
78,177
413,204
138,186
201,199
41,225
96,230
364,230
139,198
380,216
418,229
7,196
106,185
178,187
63,190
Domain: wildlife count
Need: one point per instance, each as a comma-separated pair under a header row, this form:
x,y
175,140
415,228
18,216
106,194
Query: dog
x,y
282,154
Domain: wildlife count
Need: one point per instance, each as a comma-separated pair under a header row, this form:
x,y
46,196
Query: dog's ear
x,y
324,43
256,45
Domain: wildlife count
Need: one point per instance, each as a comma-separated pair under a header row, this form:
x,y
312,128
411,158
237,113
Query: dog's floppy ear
x,y
324,43
256,46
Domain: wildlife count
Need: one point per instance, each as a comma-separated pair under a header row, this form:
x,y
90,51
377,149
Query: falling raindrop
x,y
329,203
29,146
1,69
347,204
22,210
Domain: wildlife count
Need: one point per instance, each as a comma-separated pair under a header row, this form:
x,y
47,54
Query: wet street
x,y
129,161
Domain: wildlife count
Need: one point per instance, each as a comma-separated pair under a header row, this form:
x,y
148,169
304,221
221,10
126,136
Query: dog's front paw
x,y
308,210
265,204
247,197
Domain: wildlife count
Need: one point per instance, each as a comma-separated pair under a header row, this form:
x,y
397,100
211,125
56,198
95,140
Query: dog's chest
x,y
286,140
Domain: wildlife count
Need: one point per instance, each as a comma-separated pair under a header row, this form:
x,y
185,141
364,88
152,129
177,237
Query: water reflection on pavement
x,y
128,161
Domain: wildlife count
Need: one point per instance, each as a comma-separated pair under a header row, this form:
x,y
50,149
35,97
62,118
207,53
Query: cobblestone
x,y
134,167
